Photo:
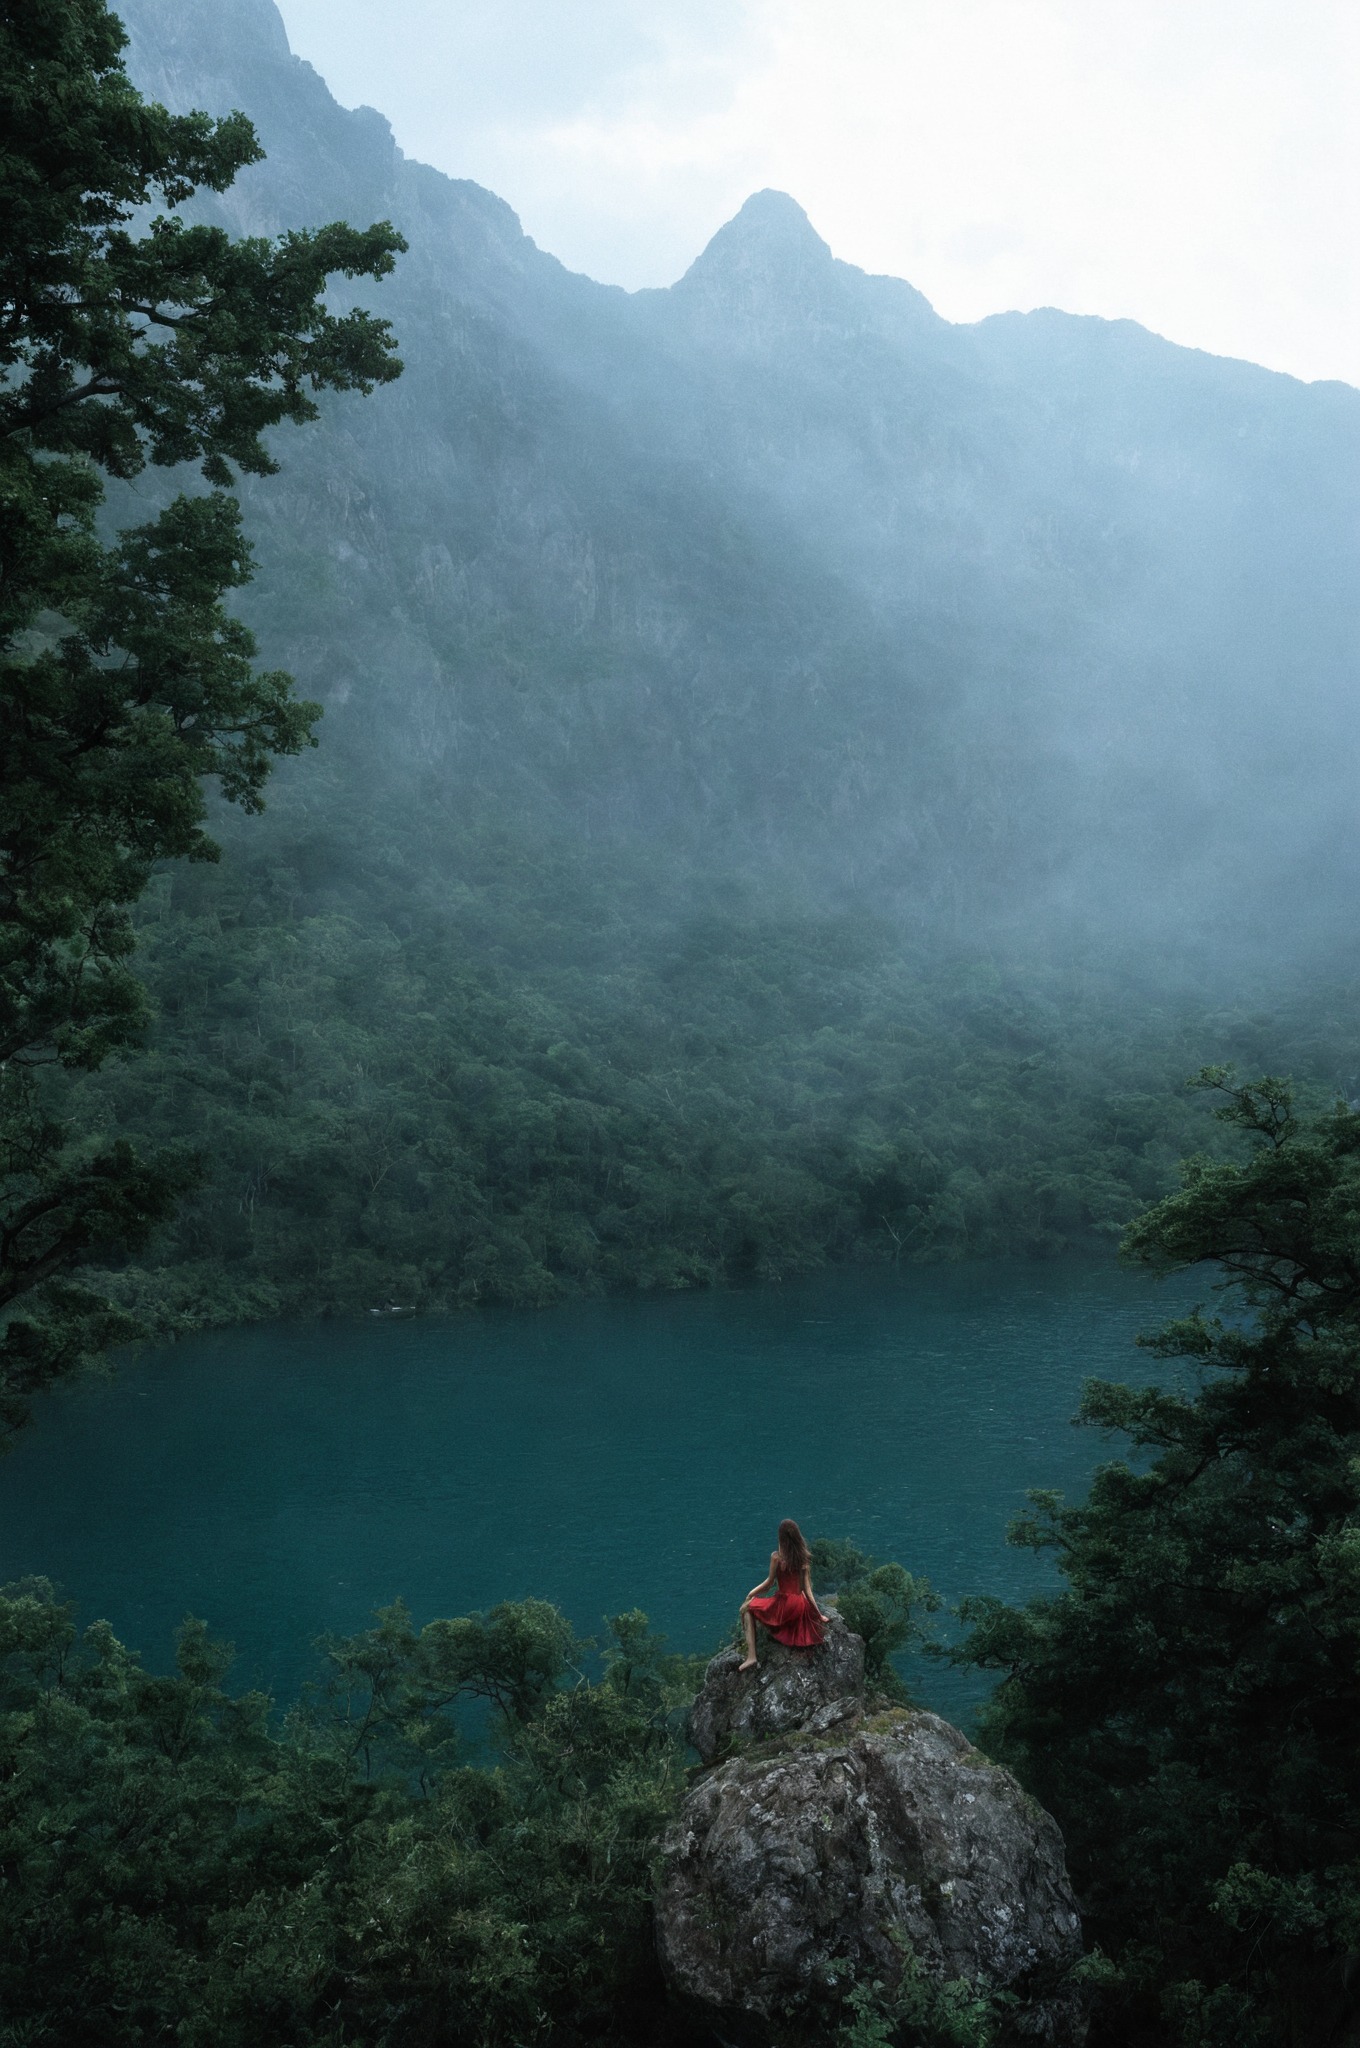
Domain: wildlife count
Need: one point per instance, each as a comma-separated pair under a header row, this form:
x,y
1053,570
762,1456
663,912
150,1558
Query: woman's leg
x,y
748,1626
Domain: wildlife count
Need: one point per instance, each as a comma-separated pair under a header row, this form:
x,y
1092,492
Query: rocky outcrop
x,y
788,1689
850,1848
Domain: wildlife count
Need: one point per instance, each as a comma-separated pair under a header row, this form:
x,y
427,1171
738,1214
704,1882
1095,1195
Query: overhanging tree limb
x,y
125,683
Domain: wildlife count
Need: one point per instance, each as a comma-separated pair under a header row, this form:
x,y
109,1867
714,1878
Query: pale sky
x,y
1191,164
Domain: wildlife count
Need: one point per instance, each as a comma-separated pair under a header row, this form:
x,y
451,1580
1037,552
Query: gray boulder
x,y
787,1690
791,1872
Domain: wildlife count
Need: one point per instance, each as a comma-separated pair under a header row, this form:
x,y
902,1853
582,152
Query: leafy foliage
x,y
879,1602
125,682
1187,1707
921,2013
174,1862
193,344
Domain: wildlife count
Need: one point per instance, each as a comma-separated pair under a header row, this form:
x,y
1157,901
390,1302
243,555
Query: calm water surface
x,y
284,1480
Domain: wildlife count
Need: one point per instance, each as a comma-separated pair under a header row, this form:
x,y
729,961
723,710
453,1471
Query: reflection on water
x,y
284,1480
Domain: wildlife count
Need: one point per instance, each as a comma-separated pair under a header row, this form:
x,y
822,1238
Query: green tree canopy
x,y
179,1864
1188,1706
126,686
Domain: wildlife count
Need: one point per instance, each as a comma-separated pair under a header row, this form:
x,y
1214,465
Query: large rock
x,y
788,1689
792,1872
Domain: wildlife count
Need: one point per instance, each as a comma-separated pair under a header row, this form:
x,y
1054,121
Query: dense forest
x,y
547,1086
797,781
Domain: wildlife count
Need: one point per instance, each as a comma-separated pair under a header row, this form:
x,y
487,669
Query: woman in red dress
x,y
791,1615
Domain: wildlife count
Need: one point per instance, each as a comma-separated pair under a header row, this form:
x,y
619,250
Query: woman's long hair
x,y
794,1554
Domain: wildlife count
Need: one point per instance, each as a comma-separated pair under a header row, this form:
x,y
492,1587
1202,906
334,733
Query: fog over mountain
x,y
799,780
1039,621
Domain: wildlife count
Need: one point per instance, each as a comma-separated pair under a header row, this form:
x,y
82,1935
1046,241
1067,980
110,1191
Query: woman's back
x,y
791,1615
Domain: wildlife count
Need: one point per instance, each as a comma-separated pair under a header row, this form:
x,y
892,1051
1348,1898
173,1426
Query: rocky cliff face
x,y
852,1846
781,568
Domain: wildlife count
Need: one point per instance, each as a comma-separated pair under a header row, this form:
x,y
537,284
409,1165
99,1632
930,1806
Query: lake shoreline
x,y
283,1480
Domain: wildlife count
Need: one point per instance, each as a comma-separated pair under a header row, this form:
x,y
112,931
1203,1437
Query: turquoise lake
x,y
284,1480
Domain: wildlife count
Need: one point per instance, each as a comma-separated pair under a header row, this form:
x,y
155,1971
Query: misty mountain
x,y
800,780
1038,623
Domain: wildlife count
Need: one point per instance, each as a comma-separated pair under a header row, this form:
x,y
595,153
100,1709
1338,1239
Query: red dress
x,y
788,1614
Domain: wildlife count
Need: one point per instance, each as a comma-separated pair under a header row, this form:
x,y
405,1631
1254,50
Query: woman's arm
x,y
807,1588
766,1580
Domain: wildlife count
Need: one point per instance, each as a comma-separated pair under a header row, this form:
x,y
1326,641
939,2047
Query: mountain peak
x,y
771,216
766,268
770,238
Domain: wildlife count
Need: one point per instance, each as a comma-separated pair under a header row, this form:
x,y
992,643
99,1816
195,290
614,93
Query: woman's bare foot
x,y
748,1664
